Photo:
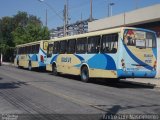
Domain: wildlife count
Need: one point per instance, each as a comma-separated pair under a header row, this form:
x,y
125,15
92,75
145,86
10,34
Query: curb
x,y
146,81
7,63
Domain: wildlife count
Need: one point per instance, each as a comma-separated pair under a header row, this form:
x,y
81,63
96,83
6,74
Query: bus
x,y
113,53
31,55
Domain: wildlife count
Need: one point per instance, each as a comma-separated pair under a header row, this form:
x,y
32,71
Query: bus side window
x,y
81,46
19,50
23,50
29,49
37,48
56,47
49,50
93,44
71,46
109,43
26,50
33,49
63,47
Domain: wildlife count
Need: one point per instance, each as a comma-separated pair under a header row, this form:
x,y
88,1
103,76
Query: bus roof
x,y
31,43
100,32
88,34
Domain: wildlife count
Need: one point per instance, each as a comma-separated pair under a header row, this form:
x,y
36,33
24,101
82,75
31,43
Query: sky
x,y
77,9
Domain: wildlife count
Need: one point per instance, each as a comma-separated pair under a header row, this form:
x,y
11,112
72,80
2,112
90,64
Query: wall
x,y
139,16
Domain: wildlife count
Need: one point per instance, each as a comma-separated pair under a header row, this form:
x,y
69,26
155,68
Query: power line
x,y
52,8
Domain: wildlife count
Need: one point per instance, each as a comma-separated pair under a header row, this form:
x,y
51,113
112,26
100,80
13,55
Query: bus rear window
x,y
139,39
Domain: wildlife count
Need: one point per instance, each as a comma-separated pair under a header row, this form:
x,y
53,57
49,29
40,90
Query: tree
x,y
19,29
6,28
29,28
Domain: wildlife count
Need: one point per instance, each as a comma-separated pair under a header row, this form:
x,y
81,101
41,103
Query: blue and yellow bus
x,y
31,55
114,53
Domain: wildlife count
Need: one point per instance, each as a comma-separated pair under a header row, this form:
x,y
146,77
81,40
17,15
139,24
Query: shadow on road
x,y
1,78
112,82
12,85
121,84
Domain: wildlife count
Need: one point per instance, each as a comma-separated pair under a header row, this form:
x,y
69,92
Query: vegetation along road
x,y
34,94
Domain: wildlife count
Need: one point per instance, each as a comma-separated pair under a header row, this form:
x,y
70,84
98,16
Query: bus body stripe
x,y
110,63
99,61
34,57
137,60
54,59
154,52
79,57
43,51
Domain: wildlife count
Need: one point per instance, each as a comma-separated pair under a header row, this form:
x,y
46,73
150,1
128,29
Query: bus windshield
x,y
139,39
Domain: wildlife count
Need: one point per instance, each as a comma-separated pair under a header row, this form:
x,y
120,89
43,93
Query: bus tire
x,y
54,70
29,66
84,74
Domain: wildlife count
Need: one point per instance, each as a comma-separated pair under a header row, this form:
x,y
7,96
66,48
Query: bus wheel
x,y
84,74
54,70
30,66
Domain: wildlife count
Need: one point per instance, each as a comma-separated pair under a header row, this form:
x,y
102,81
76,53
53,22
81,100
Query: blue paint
x,y
43,51
99,61
102,61
111,65
154,52
41,64
54,59
79,57
125,74
34,58
138,60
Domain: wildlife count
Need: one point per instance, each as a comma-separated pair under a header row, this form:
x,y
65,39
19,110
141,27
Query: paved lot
x,y
65,97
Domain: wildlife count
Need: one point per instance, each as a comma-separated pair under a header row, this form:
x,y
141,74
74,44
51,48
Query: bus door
x,y
139,55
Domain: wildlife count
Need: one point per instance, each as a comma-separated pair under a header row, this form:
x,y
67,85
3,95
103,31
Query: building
x,y
148,17
78,27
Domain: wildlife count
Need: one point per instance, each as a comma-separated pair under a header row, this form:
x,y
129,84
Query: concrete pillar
x,y
158,58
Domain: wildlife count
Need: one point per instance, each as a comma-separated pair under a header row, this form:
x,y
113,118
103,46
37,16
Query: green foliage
x,y
29,28
7,52
19,29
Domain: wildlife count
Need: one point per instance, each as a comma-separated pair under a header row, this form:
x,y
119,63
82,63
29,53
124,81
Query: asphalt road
x,y
35,94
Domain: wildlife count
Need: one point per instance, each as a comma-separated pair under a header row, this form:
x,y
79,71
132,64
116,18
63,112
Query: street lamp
x,y
110,8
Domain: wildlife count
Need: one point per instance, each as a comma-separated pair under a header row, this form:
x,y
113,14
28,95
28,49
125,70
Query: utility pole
x,y
110,8
136,2
91,12
65,14
46,17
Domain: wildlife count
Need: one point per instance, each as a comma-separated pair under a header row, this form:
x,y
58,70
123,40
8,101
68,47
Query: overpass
x,y
148,17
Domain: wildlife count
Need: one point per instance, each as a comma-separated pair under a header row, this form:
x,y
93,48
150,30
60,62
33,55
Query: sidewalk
x,y
8,63
147,81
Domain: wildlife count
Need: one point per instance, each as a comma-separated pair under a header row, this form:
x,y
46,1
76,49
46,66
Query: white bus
x,y
114,53
31,55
